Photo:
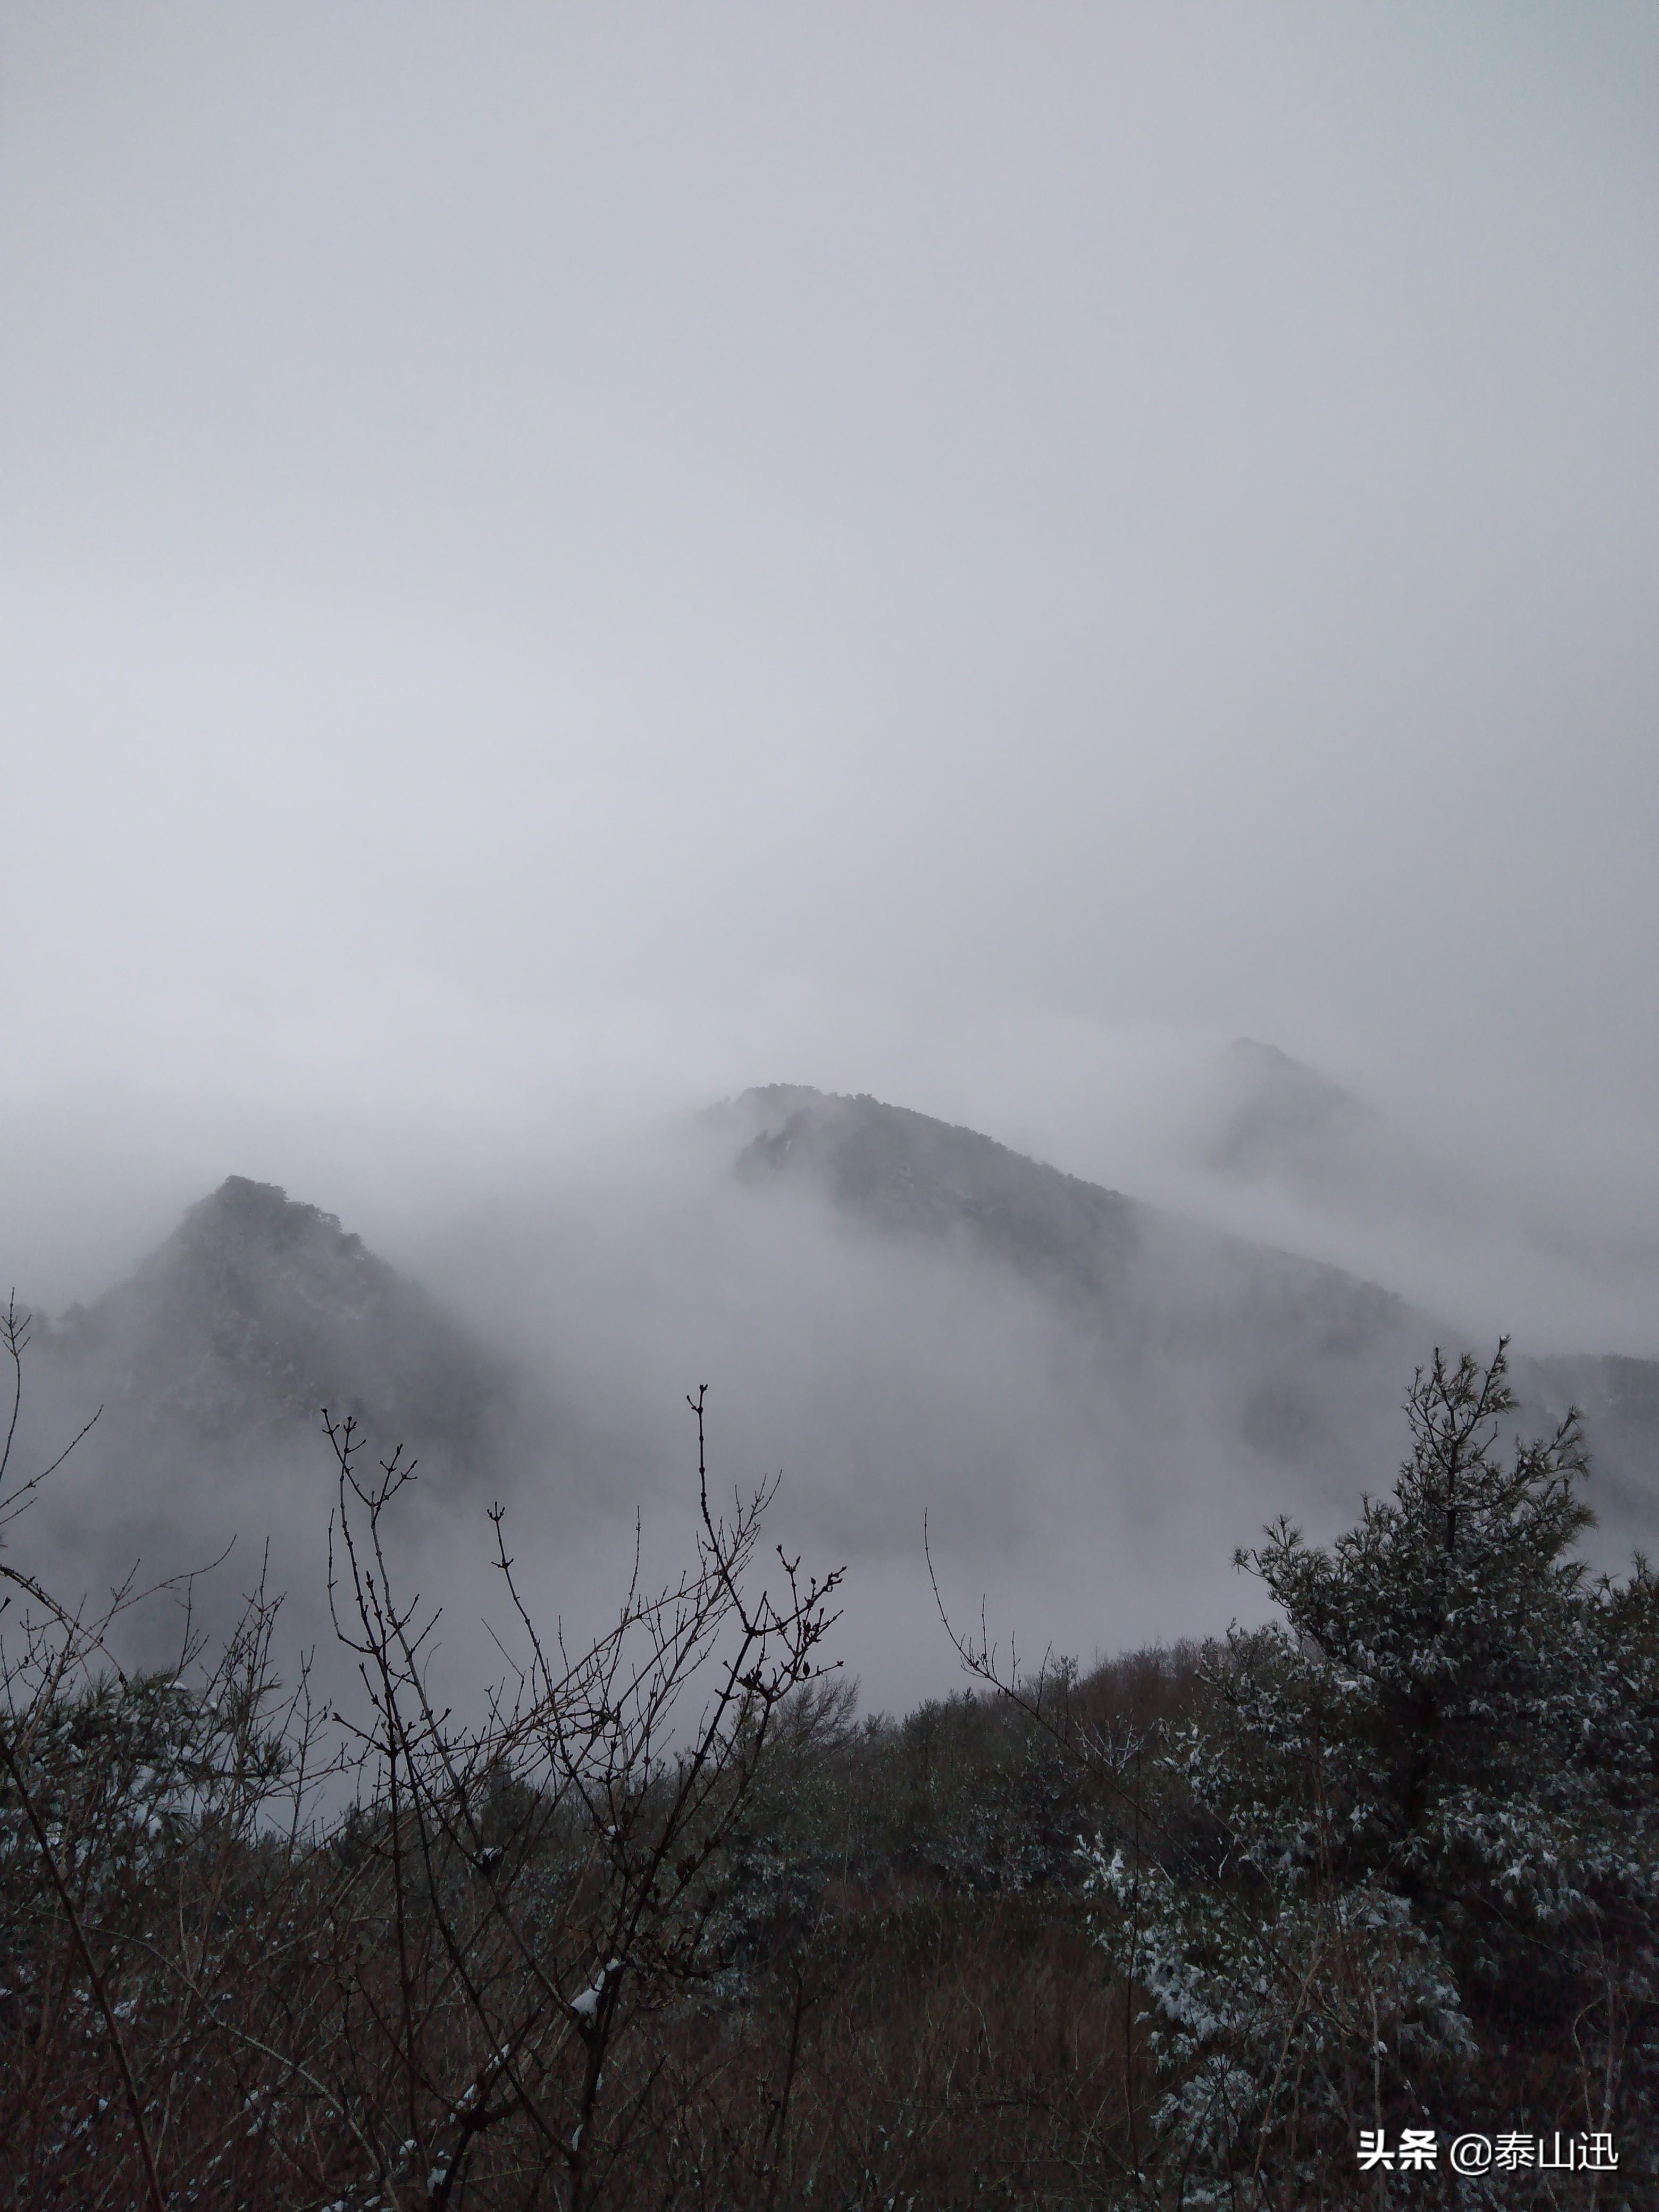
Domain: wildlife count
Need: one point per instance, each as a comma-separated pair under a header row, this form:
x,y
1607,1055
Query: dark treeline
x,y
667,1924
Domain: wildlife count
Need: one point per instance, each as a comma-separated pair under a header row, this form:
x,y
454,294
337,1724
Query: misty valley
x,y
1056,1614
823,1661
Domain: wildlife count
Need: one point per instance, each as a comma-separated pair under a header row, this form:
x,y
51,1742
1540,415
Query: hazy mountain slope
x,y
905,1173
1288,1353
1301,1363
1619,1400
1270,1147
210,1363
1093,1400
257,1312
1130,1264
1275,1115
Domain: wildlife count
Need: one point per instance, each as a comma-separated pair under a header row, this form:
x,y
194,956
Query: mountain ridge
x,y
1177,1345
908,1175
257,1312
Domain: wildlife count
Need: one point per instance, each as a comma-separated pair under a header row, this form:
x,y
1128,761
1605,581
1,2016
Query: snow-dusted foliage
x,y
1279,2019
1418,1825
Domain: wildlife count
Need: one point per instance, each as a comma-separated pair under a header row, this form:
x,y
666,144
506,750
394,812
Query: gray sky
x,y
553,556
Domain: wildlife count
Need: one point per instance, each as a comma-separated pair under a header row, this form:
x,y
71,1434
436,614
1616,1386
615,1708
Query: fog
x,y
558,566
1080,1469
1090,1404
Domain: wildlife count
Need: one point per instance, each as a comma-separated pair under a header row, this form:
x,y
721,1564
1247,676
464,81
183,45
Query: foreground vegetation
x,y
668,1925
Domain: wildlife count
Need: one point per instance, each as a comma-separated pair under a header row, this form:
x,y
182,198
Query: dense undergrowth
x,y
670,1925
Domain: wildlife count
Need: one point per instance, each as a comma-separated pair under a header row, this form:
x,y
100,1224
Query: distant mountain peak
x,y
1276,1114
258,1310
906,1173
261,1210
1250,1059
246,1225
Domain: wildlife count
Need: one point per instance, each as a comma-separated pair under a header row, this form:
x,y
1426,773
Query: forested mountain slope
x,y
1307,1362
1083,1389
258,1311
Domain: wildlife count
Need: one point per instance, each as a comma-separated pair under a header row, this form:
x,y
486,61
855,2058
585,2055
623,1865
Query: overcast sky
x,y
559,553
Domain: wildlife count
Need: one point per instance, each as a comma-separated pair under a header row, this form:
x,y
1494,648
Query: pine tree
x,y
1432,1792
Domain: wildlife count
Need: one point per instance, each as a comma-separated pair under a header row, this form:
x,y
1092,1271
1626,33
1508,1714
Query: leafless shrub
x,y
225,1985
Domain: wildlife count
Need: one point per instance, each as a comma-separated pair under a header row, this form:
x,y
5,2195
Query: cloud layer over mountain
x,y
1090,1400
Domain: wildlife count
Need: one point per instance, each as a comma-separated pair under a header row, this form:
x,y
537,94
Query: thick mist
x,y
538,548
1085,1450
884,1382
558,567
